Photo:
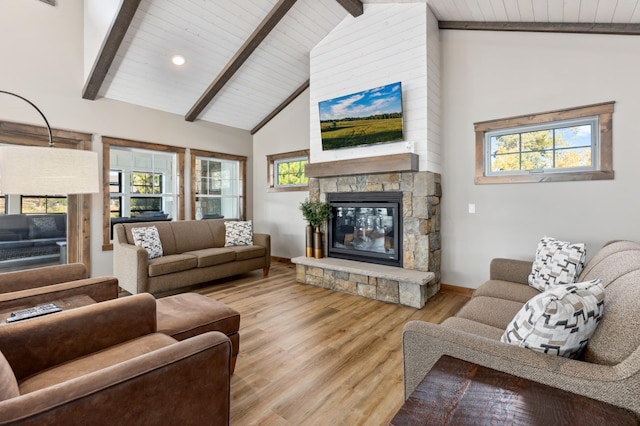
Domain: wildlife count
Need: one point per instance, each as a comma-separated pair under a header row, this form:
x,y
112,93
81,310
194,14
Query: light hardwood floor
x,y
310,356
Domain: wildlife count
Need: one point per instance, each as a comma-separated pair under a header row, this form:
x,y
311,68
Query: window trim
x,y
107,143
78,205
604,165
271,169
242,160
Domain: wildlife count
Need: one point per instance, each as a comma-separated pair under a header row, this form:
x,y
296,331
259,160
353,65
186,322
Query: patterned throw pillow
x,y
238,233
557,262
148,238
559,321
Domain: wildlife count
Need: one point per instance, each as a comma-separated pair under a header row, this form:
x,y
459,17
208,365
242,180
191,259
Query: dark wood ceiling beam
x,y
354,7
109,49
549,27
280,107
261,32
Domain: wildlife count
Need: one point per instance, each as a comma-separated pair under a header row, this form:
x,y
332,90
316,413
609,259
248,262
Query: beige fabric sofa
x,y
609,368
193,253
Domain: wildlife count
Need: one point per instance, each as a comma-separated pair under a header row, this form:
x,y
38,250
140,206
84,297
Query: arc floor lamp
x,y
47,170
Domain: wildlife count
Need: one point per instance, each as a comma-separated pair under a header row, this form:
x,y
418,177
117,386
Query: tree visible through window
x,y
291,172
287,171
566,147
572,144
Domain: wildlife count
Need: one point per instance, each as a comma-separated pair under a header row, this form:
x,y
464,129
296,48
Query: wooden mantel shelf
x,y
359,166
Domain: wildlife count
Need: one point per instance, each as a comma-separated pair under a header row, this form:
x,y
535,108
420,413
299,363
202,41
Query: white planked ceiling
x,y
208,33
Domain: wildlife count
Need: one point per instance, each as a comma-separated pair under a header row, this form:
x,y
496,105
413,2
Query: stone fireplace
x,y
417,276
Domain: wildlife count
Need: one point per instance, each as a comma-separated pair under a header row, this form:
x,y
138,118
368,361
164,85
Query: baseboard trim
x,y
464,291
284,260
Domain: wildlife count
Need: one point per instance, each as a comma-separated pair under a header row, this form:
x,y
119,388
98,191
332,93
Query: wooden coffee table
x,y
457,392
63,303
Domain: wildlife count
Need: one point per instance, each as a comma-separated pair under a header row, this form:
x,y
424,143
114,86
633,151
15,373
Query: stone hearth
x,y
385,283
421,239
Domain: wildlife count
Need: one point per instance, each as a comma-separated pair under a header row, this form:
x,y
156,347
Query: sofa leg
x,y
265,272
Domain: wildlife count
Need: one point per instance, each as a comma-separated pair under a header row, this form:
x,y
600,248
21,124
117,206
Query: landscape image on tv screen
x,y
363,118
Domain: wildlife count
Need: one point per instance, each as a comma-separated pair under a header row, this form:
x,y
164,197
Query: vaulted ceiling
x,y
246,59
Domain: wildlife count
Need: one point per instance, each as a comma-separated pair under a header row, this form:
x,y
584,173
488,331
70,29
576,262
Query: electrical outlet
x,y
472,208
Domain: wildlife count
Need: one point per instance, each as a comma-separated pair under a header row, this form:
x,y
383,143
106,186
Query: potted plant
x,y
315,213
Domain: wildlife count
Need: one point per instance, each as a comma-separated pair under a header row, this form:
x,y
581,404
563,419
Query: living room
x,y
481,75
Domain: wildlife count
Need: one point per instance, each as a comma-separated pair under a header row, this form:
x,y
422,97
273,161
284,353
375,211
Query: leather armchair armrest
x,y
42,277
99,289
516,271
36,344
188,380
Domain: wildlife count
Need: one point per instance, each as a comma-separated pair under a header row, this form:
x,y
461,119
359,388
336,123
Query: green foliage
x,y
353,132
292,173
536,150
315,212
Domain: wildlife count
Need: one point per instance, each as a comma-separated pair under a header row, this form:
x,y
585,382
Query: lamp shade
x,y
30,170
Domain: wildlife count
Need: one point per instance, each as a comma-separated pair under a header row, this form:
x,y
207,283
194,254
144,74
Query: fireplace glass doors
x,y
366,227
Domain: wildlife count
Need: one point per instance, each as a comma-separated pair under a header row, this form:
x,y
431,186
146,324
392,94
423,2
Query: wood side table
x,y
457,392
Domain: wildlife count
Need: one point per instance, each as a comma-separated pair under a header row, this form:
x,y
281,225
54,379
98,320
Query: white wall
x,y
277,213
42,48
491,75
388,43
98,19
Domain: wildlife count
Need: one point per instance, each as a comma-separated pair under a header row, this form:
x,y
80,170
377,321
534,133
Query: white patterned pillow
x,y
238,233
148,238
559,321
557,262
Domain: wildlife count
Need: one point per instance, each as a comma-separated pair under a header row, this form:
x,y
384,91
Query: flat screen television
x,y
369,117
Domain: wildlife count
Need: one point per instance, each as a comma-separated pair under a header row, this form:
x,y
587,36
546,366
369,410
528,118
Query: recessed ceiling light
x,y
178,59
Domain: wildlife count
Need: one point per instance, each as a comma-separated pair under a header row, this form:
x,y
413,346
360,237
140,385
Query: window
x,y
115,188
572,144
30,204
140,177
218,185
286,171
76,206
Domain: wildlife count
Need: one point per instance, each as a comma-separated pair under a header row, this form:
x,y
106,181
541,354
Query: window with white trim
x,y
218,188
573,144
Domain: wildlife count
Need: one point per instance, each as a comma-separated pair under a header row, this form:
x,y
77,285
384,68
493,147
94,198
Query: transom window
x,y
563,146
30,204
571,144
287,171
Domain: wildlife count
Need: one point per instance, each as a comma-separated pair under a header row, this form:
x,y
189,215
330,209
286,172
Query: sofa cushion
x,y
148,238
506,290
213,256
473,327
172,263
556,262
248,252
238,233
558,321
490,311
96,361
44,227
8,383
192,235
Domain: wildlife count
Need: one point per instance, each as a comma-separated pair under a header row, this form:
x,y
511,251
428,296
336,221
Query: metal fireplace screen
x,y
366,227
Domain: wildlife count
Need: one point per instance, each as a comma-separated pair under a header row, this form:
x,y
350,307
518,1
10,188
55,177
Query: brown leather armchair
x,y
106,364
31,287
